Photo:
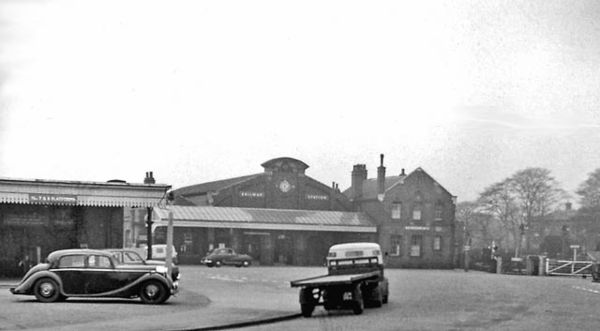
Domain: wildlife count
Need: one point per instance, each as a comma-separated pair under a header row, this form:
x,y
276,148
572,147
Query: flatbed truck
x,y
355,279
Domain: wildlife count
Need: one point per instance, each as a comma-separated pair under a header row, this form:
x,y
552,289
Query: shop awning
x,y
265,219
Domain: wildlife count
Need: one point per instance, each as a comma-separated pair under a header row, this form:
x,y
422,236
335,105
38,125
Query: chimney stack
x,y
380,178
359,174
149,178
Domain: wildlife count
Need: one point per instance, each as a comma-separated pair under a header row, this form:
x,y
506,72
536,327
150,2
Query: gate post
x,y
499,264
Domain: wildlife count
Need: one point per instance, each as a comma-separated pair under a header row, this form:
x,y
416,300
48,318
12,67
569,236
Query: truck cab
x,y
352,258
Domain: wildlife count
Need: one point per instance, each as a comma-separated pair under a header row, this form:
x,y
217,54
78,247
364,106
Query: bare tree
x,y
499,201
536,192
477,224
589,190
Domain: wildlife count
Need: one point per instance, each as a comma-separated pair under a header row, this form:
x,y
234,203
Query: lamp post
x,y
149,233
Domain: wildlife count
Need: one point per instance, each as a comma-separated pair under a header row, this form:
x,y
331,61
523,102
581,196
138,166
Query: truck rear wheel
x,y
377,297
307,309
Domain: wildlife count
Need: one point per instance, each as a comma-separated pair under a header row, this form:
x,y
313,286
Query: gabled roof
x,y
370,185
203,188
266,219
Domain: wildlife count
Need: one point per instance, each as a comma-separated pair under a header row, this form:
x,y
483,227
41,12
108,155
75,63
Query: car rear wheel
x,y
307,309
46,290
245,264
153,292
217,264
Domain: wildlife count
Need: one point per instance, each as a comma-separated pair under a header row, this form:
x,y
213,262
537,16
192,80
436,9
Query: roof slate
x,y
259,215
212,186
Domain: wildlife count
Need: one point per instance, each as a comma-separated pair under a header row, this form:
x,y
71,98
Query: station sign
x,y
52,198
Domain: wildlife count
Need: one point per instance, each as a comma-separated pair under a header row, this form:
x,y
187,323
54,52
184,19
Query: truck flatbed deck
x,y
334,279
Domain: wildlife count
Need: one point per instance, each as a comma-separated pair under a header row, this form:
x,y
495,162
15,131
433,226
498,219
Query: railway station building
x,y
278,216
283,216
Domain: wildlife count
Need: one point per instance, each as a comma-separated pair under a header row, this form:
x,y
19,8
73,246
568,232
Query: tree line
x,y
505,212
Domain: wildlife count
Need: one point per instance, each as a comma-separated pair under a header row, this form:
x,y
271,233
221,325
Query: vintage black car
x,y
95,273
226,256
131,256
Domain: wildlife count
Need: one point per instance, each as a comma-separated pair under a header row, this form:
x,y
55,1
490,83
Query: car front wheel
x,y
245,263
46,290
153,292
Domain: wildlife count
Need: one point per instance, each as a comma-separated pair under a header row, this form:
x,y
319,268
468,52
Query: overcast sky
x,y
196,91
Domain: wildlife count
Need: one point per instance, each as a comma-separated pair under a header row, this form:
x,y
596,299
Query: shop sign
x,y
417,228
29,219
254,233
53,198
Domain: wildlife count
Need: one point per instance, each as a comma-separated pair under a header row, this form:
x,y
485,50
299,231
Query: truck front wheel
x,y
307,309
358,305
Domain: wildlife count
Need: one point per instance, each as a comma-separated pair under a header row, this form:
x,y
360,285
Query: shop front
x,y
40,216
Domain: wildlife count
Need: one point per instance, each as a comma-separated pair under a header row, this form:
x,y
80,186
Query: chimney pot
x,y
149,178
381,177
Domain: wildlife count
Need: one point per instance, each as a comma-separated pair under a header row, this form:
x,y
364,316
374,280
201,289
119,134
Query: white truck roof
x,y
358,250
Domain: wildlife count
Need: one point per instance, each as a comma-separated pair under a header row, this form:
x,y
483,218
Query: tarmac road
x,y
419,299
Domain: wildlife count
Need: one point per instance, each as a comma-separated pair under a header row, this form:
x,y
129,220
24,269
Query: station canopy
x,y
78,193
265,219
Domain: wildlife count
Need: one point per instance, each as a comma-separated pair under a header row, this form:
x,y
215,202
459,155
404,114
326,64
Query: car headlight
x,y
162,269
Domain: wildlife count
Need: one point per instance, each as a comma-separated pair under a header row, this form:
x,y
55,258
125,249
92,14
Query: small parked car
x,y
131,256
95,273
226,256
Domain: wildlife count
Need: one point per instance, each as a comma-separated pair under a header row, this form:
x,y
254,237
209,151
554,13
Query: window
x,y
396,210
437,243
98,261
396,245
417,212
71,261
130,257
439,208
415,246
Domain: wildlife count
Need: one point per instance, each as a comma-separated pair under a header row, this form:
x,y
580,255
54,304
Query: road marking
x,y
586,289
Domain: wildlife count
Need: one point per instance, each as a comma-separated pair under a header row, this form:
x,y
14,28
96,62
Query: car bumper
x,y
175,288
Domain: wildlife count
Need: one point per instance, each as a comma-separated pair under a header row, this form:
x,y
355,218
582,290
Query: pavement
x,y
212,317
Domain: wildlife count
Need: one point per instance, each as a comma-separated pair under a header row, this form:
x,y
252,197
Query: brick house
x,y
414,215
